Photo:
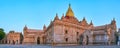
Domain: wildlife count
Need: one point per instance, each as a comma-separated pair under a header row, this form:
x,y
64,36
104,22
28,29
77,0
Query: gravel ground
x,y
49,46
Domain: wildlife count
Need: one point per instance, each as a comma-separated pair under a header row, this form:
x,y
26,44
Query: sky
x,y
15,14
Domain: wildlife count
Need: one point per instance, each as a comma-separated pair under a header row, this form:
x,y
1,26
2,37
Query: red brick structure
x,y
33,36
69,30
14,37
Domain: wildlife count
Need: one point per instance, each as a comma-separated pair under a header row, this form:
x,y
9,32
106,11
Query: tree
x,y
2,33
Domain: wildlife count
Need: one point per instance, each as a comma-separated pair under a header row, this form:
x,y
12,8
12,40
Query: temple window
x,y
77,40
77,33
66,32
66,39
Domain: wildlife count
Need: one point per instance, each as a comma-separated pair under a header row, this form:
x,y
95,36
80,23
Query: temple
x,y
69,30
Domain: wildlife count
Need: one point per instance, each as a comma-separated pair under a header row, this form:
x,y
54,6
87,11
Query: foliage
x,y
2,33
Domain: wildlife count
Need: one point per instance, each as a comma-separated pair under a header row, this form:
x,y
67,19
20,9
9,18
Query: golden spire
x,y
69,12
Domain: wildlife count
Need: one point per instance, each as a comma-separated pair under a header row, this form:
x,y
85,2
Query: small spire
x,y
25,27
69,5
44,27
91,23
84,19
62,16
56,14
84,22
113,21
56,18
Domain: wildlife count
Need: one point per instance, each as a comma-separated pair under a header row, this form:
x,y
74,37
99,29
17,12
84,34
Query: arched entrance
x,y
17,42
8,41
5,41
87,37
13,42
87,40
81,40
38,40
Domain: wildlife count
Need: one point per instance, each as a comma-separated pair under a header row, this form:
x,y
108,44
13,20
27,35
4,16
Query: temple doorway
x,y
81,40
87,38
38,40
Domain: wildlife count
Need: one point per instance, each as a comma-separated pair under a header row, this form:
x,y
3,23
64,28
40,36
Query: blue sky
x,y
15,14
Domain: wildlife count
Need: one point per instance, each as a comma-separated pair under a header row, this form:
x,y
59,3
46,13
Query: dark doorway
x,y
9,41
13,42
17,42
38,40
5,41
66,39
81,40
87,42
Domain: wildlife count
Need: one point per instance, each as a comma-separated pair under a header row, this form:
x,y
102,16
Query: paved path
x,y
49,46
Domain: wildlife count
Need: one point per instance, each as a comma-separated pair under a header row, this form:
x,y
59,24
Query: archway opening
x,y
81,40
38,40
87,38
17,42
13,42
